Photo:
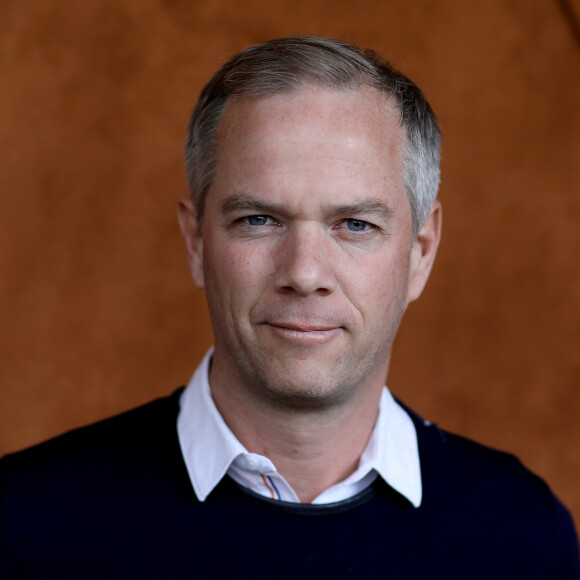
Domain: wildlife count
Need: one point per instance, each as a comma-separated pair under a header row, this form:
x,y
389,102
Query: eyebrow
x,y
243,202
371,207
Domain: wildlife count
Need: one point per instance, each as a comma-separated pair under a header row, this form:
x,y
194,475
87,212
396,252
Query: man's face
x,y
306,254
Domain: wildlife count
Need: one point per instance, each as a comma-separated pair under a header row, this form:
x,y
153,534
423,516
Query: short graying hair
x,y
284,64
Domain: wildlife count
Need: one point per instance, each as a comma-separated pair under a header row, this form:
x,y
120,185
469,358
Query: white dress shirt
x,y
211,451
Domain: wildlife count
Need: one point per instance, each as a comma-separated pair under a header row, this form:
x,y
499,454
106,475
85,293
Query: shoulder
x,y
490,498
458,467
447,457
467,467
113,445
80,501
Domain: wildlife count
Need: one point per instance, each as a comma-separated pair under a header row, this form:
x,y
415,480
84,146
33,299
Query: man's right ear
x,y
188,223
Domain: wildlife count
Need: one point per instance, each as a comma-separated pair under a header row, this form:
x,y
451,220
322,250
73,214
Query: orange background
x,y
97,311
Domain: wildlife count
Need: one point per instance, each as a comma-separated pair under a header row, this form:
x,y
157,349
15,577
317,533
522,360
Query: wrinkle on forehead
x,y
383,109
347,146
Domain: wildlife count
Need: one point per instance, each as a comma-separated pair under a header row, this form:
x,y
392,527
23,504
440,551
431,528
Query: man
x,y
312,223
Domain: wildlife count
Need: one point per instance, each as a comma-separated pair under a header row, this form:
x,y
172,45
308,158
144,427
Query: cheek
x,y
239,271
376,287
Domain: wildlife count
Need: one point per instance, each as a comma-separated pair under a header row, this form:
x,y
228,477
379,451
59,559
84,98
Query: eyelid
x,y
368,225
245,219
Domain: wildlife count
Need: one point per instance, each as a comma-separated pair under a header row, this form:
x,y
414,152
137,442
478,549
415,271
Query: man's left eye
x,y
356,225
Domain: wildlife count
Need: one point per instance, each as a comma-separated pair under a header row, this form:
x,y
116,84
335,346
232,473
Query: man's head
x,y
282,66
310,250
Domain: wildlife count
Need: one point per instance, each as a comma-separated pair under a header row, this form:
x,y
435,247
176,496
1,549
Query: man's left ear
x,y
423,252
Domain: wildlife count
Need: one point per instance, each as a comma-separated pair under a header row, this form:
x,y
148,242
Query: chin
x,y
315,390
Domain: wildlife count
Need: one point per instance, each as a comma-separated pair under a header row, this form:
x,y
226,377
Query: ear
x,y
423,252
188,223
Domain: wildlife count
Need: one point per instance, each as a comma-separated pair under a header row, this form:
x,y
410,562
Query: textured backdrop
x,y
97,312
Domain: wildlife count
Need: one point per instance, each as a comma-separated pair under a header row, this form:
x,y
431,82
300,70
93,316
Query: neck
x,y
312,448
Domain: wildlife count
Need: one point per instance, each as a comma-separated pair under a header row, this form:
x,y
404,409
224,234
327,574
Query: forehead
x,y
314,138
365,112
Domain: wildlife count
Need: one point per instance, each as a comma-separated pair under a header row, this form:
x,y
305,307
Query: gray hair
x,y
284,64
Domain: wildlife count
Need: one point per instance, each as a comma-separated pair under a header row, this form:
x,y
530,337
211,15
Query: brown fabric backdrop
x,y
97,312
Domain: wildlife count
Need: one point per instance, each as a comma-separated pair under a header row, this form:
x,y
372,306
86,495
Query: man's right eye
x,y
257,220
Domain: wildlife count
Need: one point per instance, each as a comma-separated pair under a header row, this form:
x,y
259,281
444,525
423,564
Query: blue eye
x,y
356,225
257,220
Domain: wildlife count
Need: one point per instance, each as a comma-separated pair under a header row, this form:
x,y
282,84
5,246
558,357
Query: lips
x,y
302,334
301,323
302,327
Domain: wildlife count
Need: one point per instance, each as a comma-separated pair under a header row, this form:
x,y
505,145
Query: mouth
x,y
306,333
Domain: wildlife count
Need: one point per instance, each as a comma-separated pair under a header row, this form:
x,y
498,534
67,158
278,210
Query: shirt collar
x,y
397,453
209,447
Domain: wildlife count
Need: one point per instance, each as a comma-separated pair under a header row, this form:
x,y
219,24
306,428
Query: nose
x,y
305,264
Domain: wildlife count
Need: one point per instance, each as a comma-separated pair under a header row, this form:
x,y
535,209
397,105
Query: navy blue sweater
x,y
113,500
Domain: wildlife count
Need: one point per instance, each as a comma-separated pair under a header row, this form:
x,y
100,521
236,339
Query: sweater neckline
x,y
299,509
